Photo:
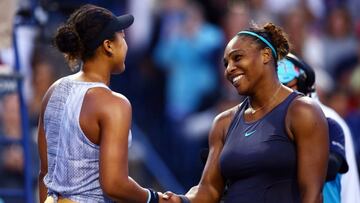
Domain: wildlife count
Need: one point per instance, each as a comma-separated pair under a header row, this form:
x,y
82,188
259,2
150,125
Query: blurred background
x,y
173,78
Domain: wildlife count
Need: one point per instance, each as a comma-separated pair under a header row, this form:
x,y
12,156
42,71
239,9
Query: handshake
x,y
168,197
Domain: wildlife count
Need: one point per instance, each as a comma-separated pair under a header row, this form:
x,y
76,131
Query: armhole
x,y
81,131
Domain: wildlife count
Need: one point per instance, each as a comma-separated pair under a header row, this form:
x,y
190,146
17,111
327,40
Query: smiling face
x,y
243,60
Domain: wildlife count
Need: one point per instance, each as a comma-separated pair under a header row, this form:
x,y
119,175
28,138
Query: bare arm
x,y
309,129
212,184
115,122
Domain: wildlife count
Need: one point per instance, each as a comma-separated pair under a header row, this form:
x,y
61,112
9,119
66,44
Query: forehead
x,y
239,43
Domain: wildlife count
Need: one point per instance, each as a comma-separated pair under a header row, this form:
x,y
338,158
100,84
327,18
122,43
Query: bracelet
x,y
184,199
154,197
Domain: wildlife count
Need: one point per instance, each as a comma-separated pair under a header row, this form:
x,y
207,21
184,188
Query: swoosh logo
x,y
247,134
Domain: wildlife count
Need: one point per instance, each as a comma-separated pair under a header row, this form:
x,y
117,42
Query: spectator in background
x,y
261,11
187,53
339,41
237,17
295,25
304,35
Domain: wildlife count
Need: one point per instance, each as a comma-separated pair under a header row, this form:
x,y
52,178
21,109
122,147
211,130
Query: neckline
x,y
266,114
70,79
253,111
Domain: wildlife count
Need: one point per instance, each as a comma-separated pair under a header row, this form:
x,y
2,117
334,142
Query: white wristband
x,y
149,196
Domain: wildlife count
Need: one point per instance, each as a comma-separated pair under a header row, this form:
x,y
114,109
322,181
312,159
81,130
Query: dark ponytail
x,y
271,34
278,38
83,26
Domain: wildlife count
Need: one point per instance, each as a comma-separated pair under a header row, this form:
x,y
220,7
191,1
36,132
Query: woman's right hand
x,y
169,197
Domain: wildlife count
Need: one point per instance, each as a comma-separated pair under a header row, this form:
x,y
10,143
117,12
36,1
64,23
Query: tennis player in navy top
x,y
264,149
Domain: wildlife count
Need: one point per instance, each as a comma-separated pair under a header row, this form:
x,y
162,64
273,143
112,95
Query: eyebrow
x,y
234,51
230,54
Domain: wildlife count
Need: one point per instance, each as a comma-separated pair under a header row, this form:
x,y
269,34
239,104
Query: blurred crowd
x,y
174,71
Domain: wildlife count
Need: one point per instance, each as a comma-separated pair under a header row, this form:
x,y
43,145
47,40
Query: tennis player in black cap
x,y
84,127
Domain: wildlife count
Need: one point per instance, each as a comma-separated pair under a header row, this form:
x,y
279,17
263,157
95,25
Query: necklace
x,y
253,111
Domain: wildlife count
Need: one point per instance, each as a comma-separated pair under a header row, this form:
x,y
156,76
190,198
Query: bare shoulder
x,y
106,100
222,122
226,115
305,107
305,117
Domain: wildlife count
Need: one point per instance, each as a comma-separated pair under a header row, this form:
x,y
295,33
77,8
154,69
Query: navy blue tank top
x,y
258,160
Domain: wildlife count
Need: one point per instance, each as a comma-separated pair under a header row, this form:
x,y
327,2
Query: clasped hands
x,y
168,197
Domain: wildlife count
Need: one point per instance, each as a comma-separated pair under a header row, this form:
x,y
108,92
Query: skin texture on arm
x,y
114,120
212,184
307,125
43,161
113,113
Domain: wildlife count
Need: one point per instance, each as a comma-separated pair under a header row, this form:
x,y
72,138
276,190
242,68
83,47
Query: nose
x,y
230,67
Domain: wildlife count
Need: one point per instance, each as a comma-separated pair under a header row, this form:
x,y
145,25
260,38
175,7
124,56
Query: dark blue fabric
x,y
258,160
337,142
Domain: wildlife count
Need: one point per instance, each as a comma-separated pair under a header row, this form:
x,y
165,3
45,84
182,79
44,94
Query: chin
x,y
242,91
119,70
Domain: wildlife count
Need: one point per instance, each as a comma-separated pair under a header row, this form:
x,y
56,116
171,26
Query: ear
x,y
108,47
266,55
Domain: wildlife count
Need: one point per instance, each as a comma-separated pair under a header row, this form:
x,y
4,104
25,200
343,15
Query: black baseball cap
x,y
115,24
